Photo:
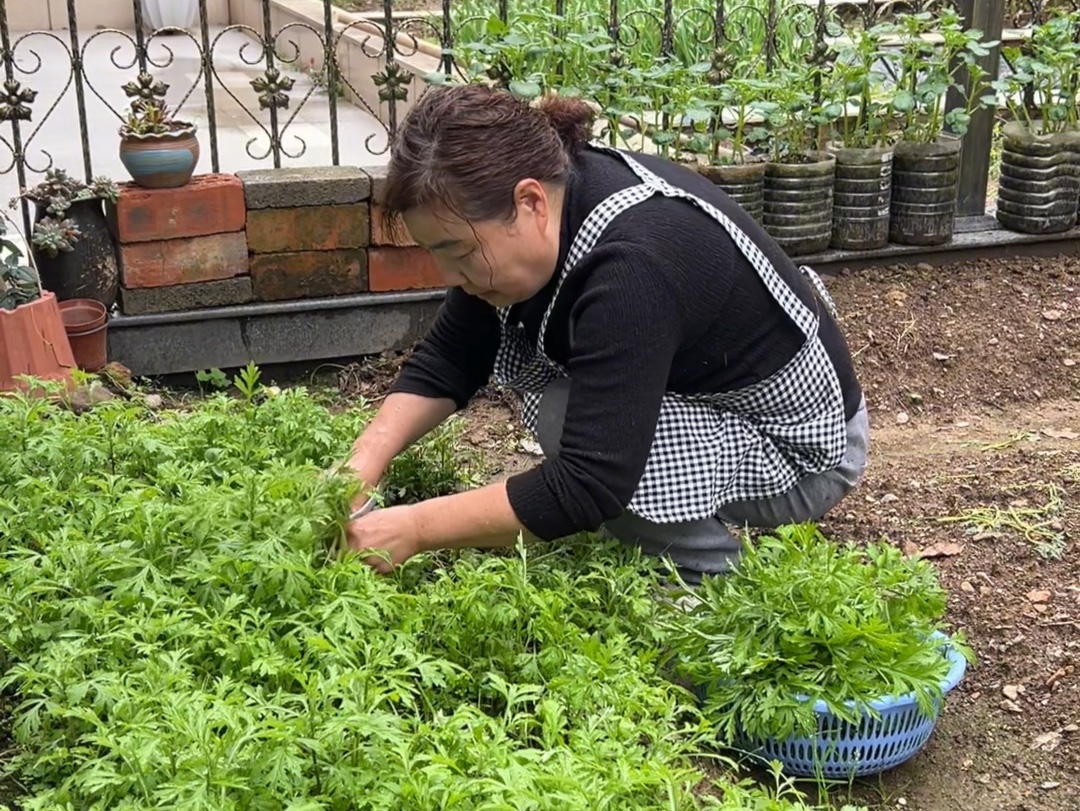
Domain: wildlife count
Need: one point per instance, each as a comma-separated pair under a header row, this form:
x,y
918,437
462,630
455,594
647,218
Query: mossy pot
x,y
798,209
742,182
862,198
924,192
1039,188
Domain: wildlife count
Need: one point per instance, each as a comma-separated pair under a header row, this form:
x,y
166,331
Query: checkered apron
x,y
709,449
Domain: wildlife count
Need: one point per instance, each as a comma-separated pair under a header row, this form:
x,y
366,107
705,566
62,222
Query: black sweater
x,y
664,302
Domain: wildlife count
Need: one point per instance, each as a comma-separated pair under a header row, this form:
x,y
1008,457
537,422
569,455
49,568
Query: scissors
x,y
367,506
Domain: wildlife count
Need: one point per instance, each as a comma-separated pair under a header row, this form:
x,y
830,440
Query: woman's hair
x,y
465,148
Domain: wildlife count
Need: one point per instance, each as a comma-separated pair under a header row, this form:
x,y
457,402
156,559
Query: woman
x,y
680,372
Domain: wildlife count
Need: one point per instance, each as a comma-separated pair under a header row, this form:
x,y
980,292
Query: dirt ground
x,y
972,378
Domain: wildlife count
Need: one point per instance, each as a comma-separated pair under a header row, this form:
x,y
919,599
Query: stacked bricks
x,y
316,232
265,235
182,249
395,262
308,231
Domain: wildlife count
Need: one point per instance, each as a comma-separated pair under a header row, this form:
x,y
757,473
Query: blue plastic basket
x,y
841,750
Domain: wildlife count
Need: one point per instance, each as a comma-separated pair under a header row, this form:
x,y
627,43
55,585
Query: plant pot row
x,y
851,199
864,199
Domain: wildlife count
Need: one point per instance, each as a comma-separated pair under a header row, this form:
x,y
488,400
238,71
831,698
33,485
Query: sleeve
x,y
626,330
457,356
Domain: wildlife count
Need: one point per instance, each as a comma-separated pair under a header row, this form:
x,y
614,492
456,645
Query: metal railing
x,y
694,32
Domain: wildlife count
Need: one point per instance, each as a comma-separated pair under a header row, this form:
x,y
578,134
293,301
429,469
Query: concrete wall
x,y
48,15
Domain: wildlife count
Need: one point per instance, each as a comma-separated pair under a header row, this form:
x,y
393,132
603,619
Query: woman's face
x,y
502,262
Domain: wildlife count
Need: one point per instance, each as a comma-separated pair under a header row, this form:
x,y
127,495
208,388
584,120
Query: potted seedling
x,y
33,342
158,151
829,658
926,162
71,242
1040,161
862,142
737,126
798,177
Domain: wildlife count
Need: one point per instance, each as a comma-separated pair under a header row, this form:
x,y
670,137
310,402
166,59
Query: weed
x,y
1040,526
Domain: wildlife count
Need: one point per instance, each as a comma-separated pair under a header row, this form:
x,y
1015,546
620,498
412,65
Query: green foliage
x,y
859,82
935,47
804,619
1042,91
176,631
18,281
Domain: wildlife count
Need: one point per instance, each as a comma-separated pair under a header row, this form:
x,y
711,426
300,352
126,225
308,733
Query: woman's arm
x,y
452,363
401,420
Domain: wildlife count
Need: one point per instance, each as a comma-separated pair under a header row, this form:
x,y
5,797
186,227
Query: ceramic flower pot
x,y
160,160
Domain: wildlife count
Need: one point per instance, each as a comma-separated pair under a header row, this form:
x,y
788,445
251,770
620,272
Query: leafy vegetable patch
x,y
178,631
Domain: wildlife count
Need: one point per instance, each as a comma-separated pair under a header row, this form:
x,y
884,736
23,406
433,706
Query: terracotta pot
x,y
33,342
85,321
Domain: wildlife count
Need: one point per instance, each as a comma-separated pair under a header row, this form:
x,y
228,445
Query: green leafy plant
x,y
740,104
214,378
19,283
858,82
54,233
795,113
803,619
935,47
179,630
151,117
1041,93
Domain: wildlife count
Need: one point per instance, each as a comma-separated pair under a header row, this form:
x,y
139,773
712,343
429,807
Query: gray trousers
x,y
707,546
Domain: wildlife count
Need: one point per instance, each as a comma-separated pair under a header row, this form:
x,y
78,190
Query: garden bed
x,y
972,376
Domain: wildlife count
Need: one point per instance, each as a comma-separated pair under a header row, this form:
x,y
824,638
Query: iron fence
x,y
497,36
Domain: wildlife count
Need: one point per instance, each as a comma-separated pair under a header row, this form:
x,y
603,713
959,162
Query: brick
x,y
398,234
315,228
308,274
305,186
183,261
402,269
208,205
197,296
377,179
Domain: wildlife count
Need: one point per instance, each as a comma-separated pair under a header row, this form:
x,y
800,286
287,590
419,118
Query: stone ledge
x,y
973,238
146,300
305,186
285,332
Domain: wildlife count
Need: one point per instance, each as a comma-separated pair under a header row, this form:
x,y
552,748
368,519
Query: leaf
x,y
943,549
903,101
525,90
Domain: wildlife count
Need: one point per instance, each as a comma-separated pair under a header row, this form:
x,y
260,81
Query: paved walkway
x,y
107,72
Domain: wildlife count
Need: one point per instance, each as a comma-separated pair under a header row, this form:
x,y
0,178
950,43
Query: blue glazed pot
x,y
160,160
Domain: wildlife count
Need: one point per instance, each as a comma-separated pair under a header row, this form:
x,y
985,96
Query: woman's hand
x,y
392,531
481,519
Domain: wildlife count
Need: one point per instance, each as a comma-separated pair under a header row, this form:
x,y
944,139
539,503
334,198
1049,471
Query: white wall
x,y
46,15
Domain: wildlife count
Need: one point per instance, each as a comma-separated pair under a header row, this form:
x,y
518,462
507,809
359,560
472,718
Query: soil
x,y
972,378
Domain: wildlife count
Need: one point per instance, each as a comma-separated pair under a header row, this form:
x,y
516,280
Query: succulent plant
x,y
55,233
18,280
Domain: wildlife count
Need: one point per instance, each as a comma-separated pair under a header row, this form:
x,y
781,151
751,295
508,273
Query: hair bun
x,y
571,118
